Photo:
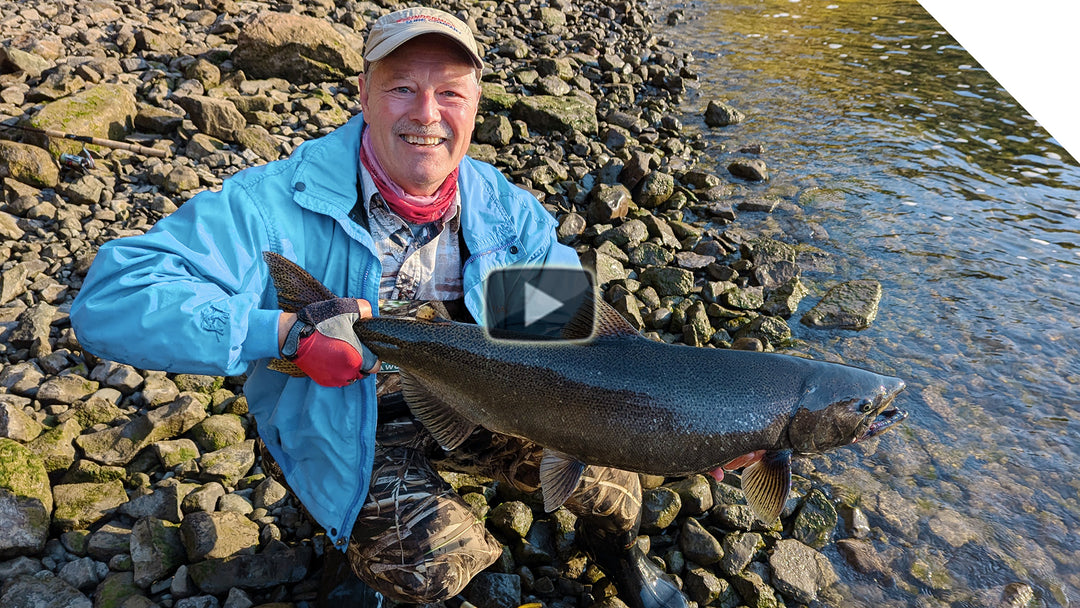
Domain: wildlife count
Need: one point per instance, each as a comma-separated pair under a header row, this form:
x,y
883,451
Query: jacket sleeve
x,y
188,295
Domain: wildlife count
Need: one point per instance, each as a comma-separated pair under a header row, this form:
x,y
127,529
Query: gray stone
x,y
608,202
557,113
103,110
773,262
16,424
21,378
156,550
119,445
494,590
28,164
80,505
218,431
108,541
739,551
695,494
785,299
83,573
718,114
46,591
800,572
25,500
298,48
751,169
606,268
862,556
204,498
654,190
229,464
66,389
235,503
56,446
668,281
698,545
261,571
269,494
217,535
213,116
849,305
707,589
175,451
162,503
32,329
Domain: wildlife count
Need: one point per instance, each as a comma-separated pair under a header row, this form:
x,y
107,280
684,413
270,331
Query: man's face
x,y
420,107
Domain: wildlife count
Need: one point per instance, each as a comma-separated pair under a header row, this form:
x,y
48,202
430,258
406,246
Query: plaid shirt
x,y
419,261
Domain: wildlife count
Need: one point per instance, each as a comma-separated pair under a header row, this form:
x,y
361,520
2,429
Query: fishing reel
x,y
84,161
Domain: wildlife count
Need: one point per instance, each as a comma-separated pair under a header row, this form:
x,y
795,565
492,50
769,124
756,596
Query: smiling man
x,y
386,207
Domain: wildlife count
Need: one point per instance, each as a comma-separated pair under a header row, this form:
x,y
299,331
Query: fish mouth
x,y
885,420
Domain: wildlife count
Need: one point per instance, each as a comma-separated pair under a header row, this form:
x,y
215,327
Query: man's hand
x,y
320,340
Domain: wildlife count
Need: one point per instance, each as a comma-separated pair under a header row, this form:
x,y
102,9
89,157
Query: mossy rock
x,y
22,472
28,164
107,111
217,432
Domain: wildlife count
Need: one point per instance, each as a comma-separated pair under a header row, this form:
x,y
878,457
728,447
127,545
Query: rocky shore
x,y
122,487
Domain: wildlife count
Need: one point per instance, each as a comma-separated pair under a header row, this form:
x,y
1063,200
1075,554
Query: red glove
x,y
323,345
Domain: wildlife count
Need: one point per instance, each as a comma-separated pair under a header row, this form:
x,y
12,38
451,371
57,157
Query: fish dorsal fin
x,y
296,288
447,427
766,484
596,318
559,476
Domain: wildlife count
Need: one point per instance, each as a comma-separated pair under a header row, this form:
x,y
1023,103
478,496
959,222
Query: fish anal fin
x,y
286,367
446,426
766,484
296,288
559,476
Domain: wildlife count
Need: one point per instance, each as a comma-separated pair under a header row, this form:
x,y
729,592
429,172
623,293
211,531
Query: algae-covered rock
x,y
28,164
56,446
105,110
816,520
850,305
156,550
557,113
79,505
217,432
25,500
297,48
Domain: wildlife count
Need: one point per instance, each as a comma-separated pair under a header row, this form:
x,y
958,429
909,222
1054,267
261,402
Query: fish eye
x,y
866,406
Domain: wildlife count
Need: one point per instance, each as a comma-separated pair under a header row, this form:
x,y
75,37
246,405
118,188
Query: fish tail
x,y
296,288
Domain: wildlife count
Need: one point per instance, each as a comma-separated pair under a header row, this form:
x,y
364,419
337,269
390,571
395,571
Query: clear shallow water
x,y
912,166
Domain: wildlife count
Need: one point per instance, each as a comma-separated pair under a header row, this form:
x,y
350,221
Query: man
x,y
387,206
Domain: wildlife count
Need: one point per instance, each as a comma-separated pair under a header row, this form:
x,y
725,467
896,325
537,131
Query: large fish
x,y
612,397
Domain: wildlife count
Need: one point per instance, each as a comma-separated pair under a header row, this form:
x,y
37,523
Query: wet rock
x,y
773,262
26,501
697,330
707,589
799,572
28,164
654,190
218,535
119,445
739,550
748,298
80,505
862,556
104,110
849,305
606,268
698,545
751,169
754,589
785,299
718,114
156,550
816,520
261,571
297,48
761,204
1017,595
27,591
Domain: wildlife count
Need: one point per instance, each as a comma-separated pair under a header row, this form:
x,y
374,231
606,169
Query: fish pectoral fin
x,y
559,476
286,367
596,318
766,484
445,425
296,288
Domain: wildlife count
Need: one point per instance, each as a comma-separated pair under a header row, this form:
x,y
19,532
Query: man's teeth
x,y
422,141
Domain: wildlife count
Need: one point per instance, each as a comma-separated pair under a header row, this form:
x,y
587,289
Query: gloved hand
x,y
323,345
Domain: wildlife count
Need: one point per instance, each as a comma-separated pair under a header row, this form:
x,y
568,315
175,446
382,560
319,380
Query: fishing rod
x,y
98,141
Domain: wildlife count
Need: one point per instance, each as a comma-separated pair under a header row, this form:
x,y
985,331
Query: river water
x,y
909,164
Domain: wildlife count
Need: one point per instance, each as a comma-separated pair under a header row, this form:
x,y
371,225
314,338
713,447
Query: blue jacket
x,y
193,295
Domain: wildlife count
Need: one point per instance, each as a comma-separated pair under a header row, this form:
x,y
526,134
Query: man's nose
x,y
426,108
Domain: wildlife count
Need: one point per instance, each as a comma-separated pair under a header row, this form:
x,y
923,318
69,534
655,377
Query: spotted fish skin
x,y
618,399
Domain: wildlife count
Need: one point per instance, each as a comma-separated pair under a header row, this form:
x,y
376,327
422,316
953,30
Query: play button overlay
x,y
535,302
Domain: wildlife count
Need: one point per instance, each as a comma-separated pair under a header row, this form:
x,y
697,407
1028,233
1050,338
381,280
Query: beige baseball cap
x,y
395,29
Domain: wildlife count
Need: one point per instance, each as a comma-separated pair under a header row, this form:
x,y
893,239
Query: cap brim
x,y
391,43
